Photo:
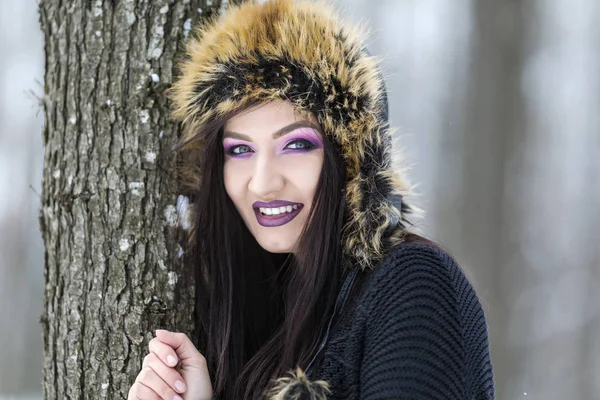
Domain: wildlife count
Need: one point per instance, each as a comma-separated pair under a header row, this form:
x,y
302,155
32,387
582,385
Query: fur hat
x,y
304,53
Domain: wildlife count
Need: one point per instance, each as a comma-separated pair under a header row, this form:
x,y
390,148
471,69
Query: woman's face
x,y
273,158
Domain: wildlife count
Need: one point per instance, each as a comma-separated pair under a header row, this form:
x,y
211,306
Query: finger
x,y
167,374
139,391
163,351
149,378
183,346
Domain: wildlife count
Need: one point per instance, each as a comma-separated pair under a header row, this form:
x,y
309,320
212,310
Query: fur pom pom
x,y
298,387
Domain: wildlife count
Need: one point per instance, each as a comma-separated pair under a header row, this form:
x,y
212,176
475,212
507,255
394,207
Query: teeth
x,y
277,210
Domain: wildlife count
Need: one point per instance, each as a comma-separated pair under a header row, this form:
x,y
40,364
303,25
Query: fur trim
x,y
304,53
298,387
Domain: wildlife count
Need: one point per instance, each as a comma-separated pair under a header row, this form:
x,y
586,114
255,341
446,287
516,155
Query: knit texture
x,y
416,330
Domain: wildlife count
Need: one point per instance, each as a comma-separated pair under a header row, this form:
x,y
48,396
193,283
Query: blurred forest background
x,y
497,105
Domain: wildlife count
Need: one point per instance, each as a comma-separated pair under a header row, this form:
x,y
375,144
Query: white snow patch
x,y
56,174
172,277
164,9
109,102
171,215
98,33
130,18
98,8
155,78
150,156
124,244
156,42
155,53
183,210
144,116
187,27
104,386
73,120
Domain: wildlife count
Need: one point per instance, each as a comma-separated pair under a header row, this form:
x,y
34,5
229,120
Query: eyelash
x,y
309,146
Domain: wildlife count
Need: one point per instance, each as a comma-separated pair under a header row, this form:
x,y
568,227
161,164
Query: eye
x,y
300,144
239,149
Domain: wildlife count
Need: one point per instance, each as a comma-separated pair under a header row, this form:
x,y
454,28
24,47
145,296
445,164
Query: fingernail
x,y
180,386
171,361
177,397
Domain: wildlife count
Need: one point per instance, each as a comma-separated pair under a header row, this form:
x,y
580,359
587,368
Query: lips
x,y
276,220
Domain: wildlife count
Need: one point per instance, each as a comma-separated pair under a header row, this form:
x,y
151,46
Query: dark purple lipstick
x,y
279,219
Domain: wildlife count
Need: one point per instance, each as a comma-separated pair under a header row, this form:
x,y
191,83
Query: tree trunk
x,y
108,215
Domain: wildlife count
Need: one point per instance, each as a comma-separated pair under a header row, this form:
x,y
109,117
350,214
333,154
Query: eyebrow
x,y
276,134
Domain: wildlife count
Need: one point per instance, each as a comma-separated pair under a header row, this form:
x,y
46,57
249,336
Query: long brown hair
x,y
258,314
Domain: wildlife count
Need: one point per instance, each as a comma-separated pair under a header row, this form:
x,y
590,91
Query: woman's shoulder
x,y
420,317
418,305
418,270
412,259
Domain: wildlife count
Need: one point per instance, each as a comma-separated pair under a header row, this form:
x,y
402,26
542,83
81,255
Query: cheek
x,y
234,182
305,173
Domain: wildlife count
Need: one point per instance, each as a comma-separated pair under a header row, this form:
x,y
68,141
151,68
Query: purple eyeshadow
x,y
229,144
308,134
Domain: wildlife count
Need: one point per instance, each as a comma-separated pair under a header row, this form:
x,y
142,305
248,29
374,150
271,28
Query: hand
x,y
173,366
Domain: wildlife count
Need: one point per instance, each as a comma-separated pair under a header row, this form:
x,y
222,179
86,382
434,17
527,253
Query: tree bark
x,y
108,216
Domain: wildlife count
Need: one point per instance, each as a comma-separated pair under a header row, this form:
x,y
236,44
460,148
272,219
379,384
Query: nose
x,y
267,178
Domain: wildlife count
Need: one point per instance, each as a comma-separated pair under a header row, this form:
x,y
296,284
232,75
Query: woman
x,y
310,283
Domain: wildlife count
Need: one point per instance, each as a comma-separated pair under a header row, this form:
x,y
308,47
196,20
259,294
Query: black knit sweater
x,y
414,329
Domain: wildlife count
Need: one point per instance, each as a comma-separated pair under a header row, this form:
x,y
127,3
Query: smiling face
x,y
273,159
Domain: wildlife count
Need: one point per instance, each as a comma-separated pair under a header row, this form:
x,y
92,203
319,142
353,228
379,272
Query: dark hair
x,y
258,314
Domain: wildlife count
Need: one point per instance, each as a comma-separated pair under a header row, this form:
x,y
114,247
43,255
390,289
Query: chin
x,y
276,246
